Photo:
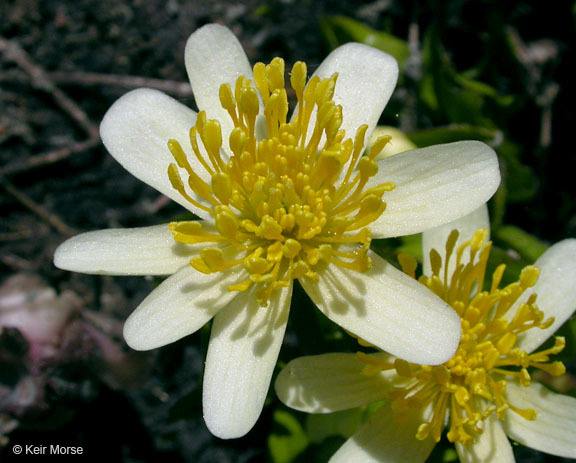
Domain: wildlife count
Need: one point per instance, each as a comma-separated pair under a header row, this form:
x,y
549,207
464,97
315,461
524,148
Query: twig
x,y
40,80
180,89
16,236
16,262
87,79
49,157
24,199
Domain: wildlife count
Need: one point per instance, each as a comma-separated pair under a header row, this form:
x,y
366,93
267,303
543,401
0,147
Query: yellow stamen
x,y
471,386
285,205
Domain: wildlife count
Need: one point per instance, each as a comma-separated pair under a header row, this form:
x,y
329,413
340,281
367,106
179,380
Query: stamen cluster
x,y
285,202
472,385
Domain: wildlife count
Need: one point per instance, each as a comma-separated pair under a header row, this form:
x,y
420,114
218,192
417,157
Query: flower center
x,y
472,385
284,203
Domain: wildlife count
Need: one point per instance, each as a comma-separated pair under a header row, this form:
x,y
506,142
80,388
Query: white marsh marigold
x,y
278,200
485,392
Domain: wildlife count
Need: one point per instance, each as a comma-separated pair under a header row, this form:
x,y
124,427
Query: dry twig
x,y
40,80
49,157
180,89
40,211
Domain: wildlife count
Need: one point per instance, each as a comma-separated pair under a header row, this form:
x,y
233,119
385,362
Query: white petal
x,y
213,57
136,130
554,429
385,440
124,251
178,307
331,382
434,185
242,353
436,237
555,289
366,80
491,446
388,309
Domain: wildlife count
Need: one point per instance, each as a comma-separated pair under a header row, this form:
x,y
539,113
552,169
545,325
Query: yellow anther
x,y
287,222
275,74
403,368
257,265
526,413
299,269
213,257
186,228
249,103
210,260
423,431
227,97
178,154
408,264
328,166
260,80
175,179
222,187
529,276
298,77
378,146
269,229
227,223
291,248
441,374
367,167
240,286
274,253
237,141
462,396
212,137
435,262
506,342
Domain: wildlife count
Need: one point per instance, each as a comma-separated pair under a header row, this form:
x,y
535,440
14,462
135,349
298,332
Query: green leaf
x,y
288,438
343,423
339,29
454,96
411,244
525,244
456,132
521,181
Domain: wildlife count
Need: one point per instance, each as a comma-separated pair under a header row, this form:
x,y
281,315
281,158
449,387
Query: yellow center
x,y
472,385
284,203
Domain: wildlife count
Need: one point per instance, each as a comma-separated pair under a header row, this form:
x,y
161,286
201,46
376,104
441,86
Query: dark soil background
x,y
63,63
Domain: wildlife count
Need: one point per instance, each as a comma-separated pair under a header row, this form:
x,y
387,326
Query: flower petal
x,y
178,307
385,440
136,130
434,185
554,429
436,237
242,353
388,309
332,382
124,251
213,57
555,290
490,446
366,80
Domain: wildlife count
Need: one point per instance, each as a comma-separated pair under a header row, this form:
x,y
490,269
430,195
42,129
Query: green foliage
x,y
527,245
287,439
339,29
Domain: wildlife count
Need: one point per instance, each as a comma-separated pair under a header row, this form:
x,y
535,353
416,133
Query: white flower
x,y
279,201
484,393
